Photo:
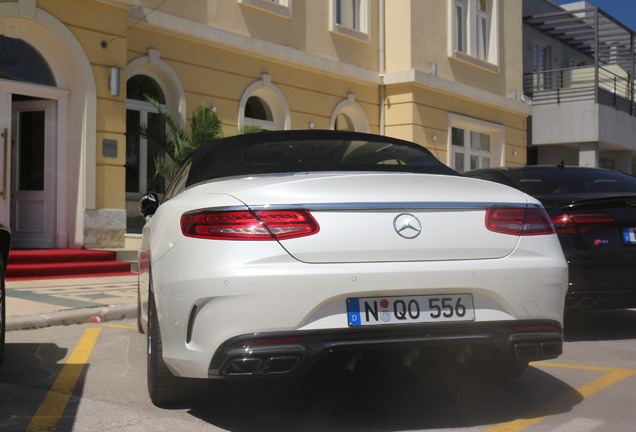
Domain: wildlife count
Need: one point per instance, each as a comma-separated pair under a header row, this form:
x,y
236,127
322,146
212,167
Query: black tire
x,y
3,312
164,388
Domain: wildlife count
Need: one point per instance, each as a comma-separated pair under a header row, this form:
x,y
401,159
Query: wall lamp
x,y
113,81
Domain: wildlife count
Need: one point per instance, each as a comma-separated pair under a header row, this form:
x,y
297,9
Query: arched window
x,y
263,105
344,123
257,111
19,61
147,75
348,115
140,86
144,127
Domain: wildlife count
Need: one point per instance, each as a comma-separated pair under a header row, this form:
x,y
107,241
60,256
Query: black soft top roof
x,y
309,151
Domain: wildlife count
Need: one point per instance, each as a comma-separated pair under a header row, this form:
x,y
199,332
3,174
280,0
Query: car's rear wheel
x,y
2,310
163,387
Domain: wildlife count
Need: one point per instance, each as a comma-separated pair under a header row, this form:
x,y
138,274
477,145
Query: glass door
x,y
33,174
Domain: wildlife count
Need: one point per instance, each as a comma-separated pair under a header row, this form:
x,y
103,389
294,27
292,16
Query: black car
x,y
594,213
5,245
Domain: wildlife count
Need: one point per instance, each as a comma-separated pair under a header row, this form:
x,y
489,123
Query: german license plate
x,y
629,235
415,309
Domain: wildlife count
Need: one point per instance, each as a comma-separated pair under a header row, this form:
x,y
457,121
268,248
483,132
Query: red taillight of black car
x,y
248,225
520,221
577,223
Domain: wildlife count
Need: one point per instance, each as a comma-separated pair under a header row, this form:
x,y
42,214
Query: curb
x,y
74,316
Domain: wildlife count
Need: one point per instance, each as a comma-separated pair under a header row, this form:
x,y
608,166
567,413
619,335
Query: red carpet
x,y
62,263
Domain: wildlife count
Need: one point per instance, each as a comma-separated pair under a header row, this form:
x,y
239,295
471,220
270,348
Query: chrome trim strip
x,y
379,207
392,207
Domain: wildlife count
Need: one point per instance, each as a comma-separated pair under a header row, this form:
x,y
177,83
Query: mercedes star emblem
x,y
407,225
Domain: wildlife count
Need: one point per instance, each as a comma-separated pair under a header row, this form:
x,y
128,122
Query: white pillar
x,y
588,155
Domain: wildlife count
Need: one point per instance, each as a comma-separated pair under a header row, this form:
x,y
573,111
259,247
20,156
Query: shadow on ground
x,y
26,376
395,399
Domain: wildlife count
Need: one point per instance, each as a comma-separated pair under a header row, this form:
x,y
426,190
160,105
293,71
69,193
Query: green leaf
x,y
170,150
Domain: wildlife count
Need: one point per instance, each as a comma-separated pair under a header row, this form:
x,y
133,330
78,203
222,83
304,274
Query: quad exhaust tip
x,y
272,365
535,351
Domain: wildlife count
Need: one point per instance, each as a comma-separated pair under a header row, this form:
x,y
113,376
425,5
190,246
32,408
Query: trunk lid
x,y
371,217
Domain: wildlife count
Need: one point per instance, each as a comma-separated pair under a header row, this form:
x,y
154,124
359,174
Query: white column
x,y
588,155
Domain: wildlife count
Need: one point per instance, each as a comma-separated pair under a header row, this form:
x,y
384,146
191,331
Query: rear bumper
x,y
281,353
206,304
601,295
601,282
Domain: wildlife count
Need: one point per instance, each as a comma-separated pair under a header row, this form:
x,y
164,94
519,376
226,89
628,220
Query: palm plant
x,y
171,149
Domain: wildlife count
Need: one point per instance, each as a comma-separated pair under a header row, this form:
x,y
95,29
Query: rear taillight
x,y
579,222
521,221
247,225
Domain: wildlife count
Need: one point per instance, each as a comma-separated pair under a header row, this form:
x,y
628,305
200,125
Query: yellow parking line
x,y
54,404
121,326
604,382
570,366
613,376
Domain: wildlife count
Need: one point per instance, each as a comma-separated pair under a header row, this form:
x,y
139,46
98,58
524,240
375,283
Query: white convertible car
x,y
272,252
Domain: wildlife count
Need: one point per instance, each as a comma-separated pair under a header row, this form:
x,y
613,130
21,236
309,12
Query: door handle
x,y
5,141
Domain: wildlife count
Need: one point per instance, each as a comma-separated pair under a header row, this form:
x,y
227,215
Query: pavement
x,y
52,302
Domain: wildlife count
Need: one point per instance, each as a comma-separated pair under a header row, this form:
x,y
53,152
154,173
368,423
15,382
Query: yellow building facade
x,y
443,73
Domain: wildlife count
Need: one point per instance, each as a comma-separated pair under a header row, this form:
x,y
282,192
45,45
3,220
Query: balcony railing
x,y
608,85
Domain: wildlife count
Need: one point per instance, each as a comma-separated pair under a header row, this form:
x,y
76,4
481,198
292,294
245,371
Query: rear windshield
x,y
334,153
310,151
554,180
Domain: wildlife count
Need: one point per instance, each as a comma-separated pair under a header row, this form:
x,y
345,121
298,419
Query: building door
x,y
33,178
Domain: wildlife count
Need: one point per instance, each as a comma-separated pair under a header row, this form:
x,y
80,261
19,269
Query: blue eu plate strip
x,y
353,311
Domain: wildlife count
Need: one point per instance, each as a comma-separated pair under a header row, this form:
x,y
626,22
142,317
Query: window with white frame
x,y
264,105
351,17
482,33
144,129
348,115
475,145
474,28
258,113
459,26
